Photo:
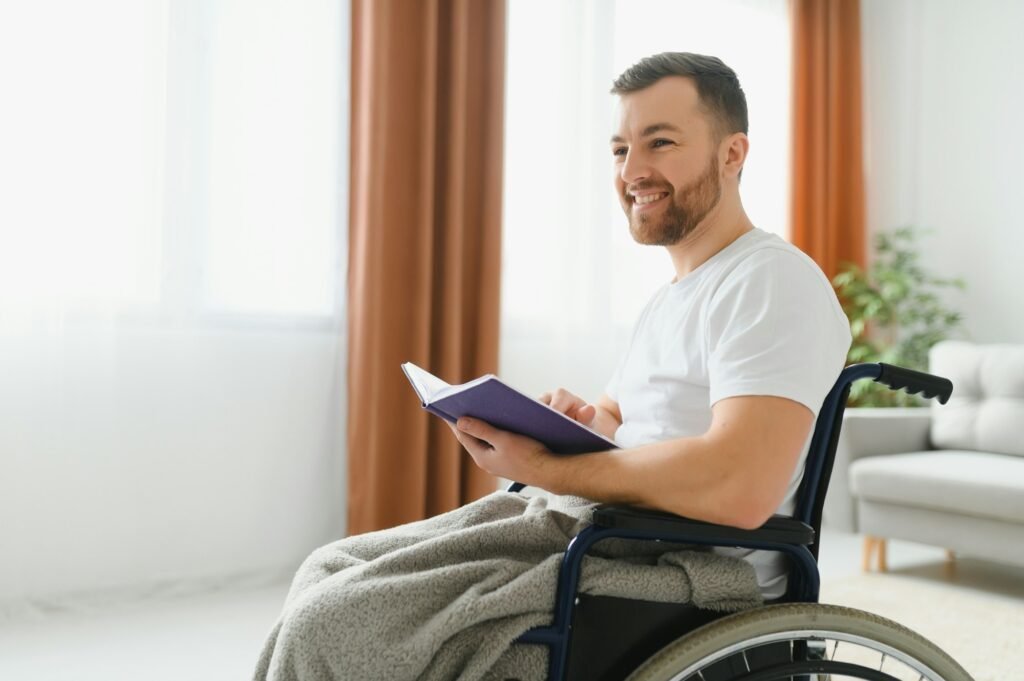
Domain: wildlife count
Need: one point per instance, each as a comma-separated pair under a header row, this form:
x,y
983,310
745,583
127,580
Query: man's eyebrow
x,y
650,130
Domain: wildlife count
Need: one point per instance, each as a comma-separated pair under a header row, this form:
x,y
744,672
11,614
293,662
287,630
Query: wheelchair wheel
x,y
801,641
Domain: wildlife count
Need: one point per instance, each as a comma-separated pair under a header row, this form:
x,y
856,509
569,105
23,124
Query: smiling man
x,y
712,406
715,400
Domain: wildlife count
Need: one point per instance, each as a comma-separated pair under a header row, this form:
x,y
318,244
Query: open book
x,y
504,407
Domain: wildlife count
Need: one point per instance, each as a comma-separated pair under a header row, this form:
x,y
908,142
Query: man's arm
x,y
735,474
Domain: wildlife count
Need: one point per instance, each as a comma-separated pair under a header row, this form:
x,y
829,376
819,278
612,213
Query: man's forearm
x,y
686,476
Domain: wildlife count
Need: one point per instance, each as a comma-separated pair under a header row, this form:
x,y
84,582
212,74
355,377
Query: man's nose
x,y
634,167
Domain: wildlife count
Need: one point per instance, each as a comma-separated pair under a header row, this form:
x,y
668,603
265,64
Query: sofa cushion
x,y
972,483
986,411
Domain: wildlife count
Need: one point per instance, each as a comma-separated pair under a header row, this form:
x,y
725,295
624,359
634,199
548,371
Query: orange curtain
x,y
828,174
424,244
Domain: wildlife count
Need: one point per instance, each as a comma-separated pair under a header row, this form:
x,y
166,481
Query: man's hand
x,y
504,454
604,416
572,406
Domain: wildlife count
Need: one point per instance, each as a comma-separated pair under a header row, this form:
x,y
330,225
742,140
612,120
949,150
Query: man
x,y
715,401
713,406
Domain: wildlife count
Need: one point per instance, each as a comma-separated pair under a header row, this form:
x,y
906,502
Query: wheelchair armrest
x,y
670,527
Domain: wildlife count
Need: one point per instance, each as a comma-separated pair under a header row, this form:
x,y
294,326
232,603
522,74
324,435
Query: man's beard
x,y
687,208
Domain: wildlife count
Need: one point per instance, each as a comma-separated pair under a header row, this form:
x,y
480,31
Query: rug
x,y
983,631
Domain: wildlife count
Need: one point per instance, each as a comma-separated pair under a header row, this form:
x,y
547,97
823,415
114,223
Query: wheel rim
x,y
861,658
842,670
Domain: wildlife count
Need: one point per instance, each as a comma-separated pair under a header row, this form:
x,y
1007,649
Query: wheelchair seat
x,y
649,641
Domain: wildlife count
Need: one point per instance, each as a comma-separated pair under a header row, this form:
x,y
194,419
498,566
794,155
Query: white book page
x,y
427,385
430,388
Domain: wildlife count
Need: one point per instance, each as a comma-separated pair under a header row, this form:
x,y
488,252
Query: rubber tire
x,y
744,626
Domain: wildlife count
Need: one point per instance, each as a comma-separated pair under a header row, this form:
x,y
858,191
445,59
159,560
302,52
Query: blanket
x,y
444,598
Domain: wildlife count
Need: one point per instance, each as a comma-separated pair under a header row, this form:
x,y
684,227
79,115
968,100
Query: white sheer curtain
x,y
573,280
173,183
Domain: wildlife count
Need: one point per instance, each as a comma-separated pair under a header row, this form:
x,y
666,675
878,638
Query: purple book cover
x,y
504,407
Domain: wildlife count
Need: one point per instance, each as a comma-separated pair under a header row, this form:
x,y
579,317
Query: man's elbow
x,y
750,510
750,520
740,512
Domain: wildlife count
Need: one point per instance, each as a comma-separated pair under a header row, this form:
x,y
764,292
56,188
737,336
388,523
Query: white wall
x,y
124,467
944,95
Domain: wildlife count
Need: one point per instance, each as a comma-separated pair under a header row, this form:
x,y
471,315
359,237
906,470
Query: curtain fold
x,y
424,244
828,174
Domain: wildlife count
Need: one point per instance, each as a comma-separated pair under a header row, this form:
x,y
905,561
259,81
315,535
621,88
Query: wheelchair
x,y
790,639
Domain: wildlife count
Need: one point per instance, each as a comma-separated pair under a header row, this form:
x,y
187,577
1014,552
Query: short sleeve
x,y
775,328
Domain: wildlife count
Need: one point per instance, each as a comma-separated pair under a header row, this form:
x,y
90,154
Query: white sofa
x,y
949,475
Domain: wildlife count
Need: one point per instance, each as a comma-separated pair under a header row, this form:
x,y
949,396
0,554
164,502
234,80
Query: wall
x,y
124,466
943,93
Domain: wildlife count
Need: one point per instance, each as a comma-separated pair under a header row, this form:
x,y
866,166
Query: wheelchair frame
x,y
796,536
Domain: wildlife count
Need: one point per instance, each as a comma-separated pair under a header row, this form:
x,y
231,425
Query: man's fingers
x,y
573,406
565,402
480,430
473,445
465,439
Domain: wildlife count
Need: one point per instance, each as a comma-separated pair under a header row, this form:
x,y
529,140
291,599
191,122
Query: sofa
x,y
946,475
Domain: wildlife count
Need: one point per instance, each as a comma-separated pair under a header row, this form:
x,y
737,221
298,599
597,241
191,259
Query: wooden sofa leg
x,y
870,543
874,546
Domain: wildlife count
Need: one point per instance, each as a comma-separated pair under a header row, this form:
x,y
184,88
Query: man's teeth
x,y
650,198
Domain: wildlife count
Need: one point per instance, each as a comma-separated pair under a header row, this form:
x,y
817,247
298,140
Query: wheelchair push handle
x,y
915,382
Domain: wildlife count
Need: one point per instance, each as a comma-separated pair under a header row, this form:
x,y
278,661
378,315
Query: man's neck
x,y
719,229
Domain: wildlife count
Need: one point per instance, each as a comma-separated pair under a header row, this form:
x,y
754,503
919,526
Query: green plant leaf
x,y
896,312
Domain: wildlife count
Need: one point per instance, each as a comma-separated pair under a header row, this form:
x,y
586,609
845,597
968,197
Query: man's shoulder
x,y
770,256
771,274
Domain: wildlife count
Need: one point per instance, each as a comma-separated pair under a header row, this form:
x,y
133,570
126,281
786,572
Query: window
x,y
82,166
178,157
274,157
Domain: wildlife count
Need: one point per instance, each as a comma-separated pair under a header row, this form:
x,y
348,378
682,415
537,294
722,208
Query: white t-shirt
x,y
758,318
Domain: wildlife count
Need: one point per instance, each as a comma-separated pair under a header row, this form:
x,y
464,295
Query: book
x,y
489,399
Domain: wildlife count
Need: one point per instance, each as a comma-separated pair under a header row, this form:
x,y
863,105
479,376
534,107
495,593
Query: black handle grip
x,y
914,382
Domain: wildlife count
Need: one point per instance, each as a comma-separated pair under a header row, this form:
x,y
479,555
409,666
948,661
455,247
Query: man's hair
x,y
720,93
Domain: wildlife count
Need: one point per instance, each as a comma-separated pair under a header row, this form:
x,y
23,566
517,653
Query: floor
x,y
217,635
204,636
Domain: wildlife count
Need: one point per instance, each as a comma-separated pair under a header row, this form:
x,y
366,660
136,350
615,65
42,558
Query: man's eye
x,y
660,142
619,151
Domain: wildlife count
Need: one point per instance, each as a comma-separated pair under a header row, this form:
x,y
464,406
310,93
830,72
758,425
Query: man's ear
x,y
733,153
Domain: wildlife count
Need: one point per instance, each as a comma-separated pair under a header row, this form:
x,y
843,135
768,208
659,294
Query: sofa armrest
x,y
870,432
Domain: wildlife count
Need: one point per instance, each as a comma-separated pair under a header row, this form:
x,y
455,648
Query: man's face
x,y
666,164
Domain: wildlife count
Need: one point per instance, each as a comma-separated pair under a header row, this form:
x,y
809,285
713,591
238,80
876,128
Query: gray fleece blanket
x,y
445,598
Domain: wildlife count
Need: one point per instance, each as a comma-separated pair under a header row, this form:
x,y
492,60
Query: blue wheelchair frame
x,y
795,537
